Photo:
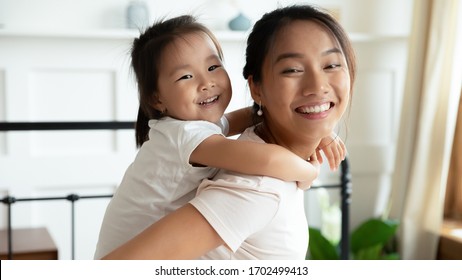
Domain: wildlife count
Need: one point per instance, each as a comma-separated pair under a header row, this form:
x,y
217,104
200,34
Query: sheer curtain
x,y
429,112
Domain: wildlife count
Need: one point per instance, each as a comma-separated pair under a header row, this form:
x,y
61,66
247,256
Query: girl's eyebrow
x,y
178,68
213,57
184,66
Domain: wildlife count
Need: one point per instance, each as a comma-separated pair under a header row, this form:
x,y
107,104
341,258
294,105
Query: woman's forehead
x,y
302,36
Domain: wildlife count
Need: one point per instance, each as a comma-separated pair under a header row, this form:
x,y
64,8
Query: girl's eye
x,y
185,77
213,67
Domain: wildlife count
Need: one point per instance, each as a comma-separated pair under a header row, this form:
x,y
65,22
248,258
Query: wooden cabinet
x,y
450,244
29,244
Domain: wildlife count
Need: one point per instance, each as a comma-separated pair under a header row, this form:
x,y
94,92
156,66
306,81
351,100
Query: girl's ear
x,y
156,103
255,90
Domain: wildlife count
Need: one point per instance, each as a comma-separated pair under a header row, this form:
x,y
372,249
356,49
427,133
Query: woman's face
x,y
305,86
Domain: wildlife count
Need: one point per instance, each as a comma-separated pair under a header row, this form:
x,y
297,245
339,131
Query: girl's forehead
x,y
190,40
184,43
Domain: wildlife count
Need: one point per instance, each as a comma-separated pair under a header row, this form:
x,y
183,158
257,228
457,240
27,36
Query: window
x,y
453,200
450,242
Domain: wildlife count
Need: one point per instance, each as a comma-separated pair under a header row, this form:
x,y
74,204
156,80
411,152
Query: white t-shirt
x,y
159,181
258,217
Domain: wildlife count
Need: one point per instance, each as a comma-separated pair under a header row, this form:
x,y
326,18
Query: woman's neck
x,y
302,147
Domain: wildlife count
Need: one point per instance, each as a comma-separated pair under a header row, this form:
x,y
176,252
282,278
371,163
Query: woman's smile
x,y
310,109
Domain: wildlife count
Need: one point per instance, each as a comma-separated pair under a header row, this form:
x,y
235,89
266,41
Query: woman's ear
x,y
255,90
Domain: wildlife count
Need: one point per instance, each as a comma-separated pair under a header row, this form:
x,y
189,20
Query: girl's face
x,y
193,84
305,86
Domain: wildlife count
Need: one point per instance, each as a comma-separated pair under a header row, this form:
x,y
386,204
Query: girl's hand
x,y
334,150
304,185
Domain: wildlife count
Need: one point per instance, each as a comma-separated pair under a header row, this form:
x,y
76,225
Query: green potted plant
x,y
371,240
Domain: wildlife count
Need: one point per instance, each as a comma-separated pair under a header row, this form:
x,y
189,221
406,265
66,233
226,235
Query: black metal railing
x,y
345,187
72,198
345,184
28,126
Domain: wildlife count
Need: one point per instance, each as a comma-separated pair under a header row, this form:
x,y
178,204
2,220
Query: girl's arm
x,y
239,120
183,234
333,147
253,158
334,150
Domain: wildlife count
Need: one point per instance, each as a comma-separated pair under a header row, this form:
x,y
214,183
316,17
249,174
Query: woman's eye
x,y
213,67
333,66
291,70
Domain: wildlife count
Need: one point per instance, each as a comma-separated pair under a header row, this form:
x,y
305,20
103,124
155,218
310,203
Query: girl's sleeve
x,y
224,125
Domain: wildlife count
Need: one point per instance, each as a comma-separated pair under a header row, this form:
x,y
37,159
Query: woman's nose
x,y
315,83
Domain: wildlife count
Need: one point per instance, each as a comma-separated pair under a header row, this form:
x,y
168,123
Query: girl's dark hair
x,y
146,53
265,30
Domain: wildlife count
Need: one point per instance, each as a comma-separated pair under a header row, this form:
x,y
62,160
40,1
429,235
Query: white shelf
x,y
71,34
222,35
103,34
366,37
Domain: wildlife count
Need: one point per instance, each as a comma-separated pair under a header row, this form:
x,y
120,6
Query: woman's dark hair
x,y
265,30
146,53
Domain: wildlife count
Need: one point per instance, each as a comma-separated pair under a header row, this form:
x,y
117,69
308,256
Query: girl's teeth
x,y
210,100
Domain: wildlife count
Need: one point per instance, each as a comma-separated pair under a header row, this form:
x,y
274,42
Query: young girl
x,y
184,91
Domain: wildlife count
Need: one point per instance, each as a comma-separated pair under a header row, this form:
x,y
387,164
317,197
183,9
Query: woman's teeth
x,y
209,100
315,109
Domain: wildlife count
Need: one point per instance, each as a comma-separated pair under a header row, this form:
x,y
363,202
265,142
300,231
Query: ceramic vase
x,y
137,15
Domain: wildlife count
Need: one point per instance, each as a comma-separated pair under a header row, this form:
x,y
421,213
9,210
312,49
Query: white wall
x,y
379,30
376,16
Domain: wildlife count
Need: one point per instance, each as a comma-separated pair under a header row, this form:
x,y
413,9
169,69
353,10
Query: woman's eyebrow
x,y
299,55
332,50
288,55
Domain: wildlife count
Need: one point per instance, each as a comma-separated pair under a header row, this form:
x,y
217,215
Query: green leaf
x,y
371,233
369,253
391,256
320,248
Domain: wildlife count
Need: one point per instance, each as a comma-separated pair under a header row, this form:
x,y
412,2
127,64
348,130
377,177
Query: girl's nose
x,y
207,84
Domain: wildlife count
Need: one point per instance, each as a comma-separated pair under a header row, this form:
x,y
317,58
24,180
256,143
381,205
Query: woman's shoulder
x,y
250,135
